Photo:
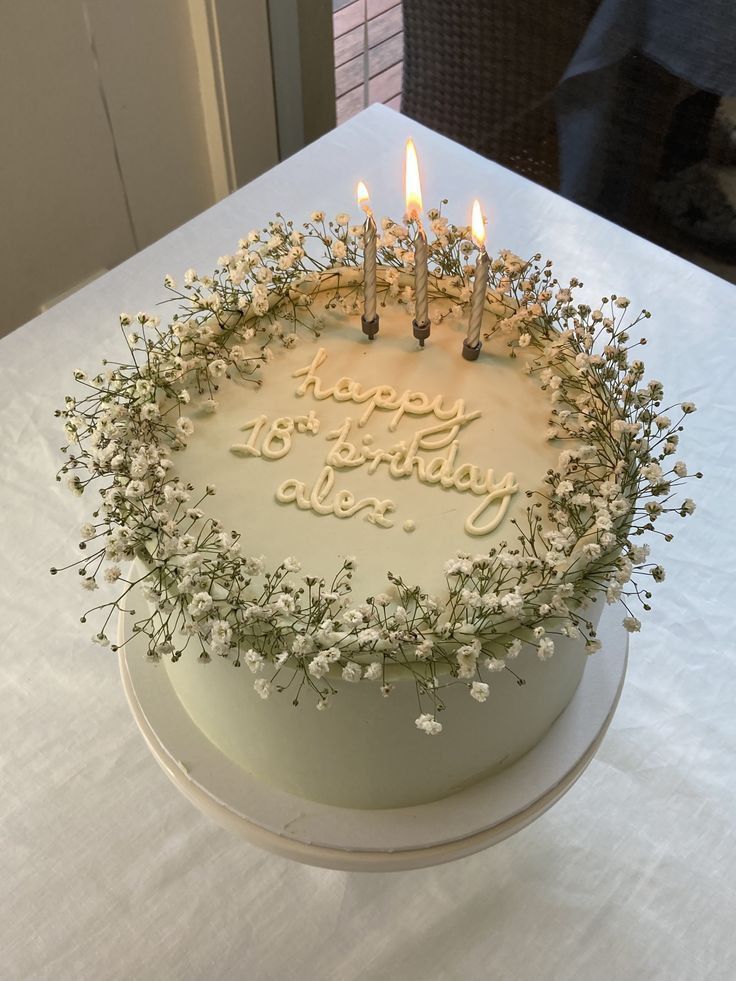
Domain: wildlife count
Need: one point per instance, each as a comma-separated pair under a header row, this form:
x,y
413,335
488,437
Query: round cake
x,y
373,568
384,461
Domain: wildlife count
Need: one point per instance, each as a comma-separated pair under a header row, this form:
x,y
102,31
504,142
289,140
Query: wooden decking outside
x,y
368,37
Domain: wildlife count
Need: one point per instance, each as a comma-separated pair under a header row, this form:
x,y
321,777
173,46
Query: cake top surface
x,y
394,454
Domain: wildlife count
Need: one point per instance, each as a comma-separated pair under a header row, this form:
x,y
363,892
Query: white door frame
x,y
289,44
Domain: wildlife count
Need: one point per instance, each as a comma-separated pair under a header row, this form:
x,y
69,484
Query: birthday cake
x,y
348,521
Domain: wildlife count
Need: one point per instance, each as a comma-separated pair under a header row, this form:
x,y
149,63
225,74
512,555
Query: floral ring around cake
x,y
612,481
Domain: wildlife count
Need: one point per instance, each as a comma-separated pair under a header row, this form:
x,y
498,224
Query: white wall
x,y
114,129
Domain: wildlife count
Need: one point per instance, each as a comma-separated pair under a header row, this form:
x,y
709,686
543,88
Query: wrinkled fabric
x,y
107,872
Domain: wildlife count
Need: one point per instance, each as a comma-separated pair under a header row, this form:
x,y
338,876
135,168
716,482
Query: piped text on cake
x,y
407,458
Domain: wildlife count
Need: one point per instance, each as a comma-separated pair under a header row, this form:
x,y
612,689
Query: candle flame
x,y
412,184
477,226
363,197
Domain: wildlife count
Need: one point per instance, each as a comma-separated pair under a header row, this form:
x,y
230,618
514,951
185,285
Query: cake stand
x,y
374,840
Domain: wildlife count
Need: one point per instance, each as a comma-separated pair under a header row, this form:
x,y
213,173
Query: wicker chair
x,y
484,73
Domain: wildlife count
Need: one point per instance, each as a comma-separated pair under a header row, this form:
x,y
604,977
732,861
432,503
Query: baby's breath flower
x,y
373,671
427,723
545,648
351,672
254,660
201,603
479,691
262,687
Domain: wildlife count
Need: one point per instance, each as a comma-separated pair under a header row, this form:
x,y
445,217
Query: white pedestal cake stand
x,y
375,840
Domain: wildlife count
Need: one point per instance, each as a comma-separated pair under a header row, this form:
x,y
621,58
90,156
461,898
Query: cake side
x,y
360,752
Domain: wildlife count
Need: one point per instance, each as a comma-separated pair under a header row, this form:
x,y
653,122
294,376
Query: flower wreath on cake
x,y
617,473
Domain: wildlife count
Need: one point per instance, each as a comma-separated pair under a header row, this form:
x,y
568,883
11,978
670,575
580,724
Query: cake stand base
x,y
375,840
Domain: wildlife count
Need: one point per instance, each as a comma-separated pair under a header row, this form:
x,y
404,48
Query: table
x,y
107,872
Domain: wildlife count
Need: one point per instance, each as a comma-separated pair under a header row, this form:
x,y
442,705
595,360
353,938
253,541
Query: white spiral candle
x,y
421,285
369,267
478,299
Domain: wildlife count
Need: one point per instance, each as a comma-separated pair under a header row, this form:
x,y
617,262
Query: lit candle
x,y
413,187
369,320
472,342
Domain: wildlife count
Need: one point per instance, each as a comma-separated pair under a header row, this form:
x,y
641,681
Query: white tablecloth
x,y
107,872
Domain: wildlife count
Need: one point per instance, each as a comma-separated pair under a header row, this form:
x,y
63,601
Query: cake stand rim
x,y
378,859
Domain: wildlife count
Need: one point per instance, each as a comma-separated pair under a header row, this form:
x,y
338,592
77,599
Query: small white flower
x,y
254,565
514,648
427,723
201,603
112,573
680,469
254,660
352,617
217,368
639,553
220,636
285,603
87,531
479,691
351,672
651,472
184,426
546,648
424,649
632,624
373,672
262,687
319,666
291,564
688,407
467,659
688,506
